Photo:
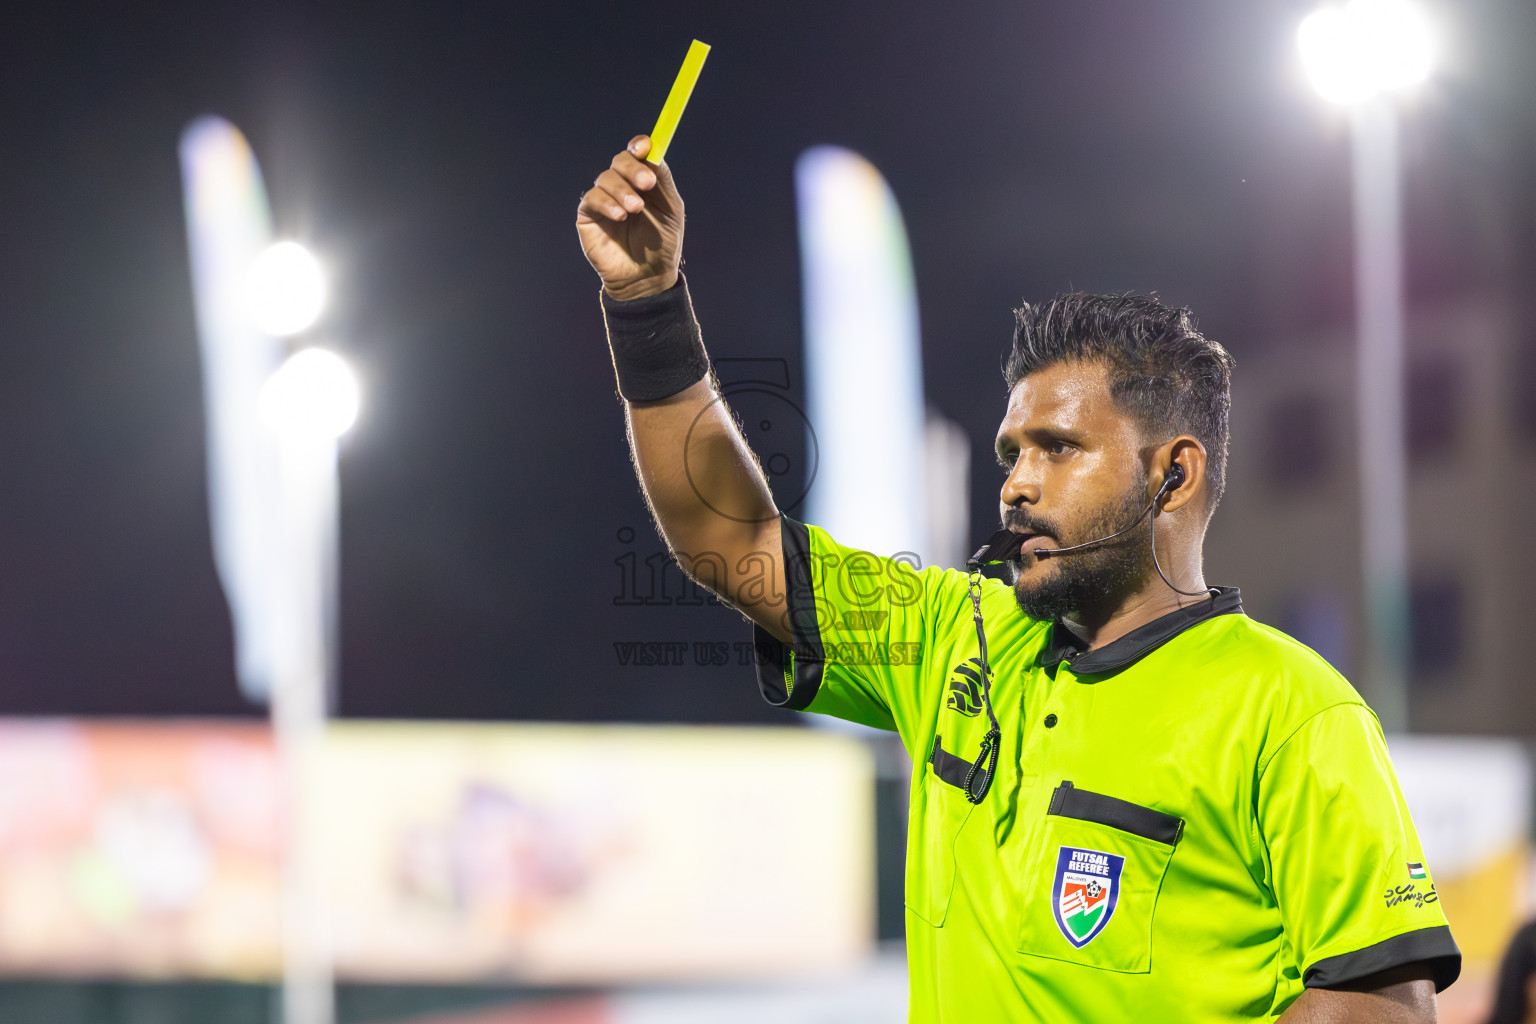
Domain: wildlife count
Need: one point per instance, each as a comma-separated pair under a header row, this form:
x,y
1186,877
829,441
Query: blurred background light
x,y
273,499
312,395
863,355
229,227
1366,47
285,289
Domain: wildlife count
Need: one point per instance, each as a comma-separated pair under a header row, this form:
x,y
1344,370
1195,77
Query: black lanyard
x,y
978,780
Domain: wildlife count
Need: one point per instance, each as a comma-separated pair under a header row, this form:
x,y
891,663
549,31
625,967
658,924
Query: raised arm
x,y
703,484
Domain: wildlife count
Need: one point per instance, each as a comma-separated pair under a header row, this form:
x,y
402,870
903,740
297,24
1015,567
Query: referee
x,y
1131,802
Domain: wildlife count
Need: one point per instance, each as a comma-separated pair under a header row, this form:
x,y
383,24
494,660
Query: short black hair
x,y
1162,370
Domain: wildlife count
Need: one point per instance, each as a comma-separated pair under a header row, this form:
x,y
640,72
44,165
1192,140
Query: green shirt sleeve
x,y
1346,869
860,624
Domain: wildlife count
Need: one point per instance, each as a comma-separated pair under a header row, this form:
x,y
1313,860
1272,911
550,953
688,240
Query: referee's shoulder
x,y
1294,681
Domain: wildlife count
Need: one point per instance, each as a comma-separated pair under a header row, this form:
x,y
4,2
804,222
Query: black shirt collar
x,y
1064,645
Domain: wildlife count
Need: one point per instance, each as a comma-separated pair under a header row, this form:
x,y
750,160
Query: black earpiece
x,y
1175,478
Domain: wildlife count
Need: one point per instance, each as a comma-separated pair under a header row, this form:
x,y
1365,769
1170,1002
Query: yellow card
x,y
677,99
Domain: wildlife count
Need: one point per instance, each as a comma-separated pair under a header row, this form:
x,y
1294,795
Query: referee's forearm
x,y
706,490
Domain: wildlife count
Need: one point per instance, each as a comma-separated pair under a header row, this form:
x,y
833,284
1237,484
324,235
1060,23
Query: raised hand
x,y
631,224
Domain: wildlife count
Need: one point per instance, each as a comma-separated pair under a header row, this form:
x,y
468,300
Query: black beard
x,y
1096,577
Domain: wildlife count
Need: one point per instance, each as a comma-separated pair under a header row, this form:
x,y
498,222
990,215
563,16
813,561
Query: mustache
x,y
1019,521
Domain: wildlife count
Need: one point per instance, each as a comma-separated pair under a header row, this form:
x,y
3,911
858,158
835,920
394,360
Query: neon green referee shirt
x,y
1189,824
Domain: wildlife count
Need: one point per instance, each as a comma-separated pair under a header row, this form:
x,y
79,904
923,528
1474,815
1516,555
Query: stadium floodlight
x,y
273,494
1365,48
285,289
313,395
1362,56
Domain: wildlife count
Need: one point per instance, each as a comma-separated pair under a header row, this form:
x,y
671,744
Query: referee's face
x,y
1076,473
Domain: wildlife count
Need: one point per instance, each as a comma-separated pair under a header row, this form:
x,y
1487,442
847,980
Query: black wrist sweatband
x,y
656,345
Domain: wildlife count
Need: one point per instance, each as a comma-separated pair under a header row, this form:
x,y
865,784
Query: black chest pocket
x,y
1091,889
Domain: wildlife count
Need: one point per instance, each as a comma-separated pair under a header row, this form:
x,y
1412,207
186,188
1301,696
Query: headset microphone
x,y
1174,478
1171,481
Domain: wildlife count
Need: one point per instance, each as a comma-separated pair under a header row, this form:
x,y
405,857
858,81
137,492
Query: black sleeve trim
x,y
797,693
1070,802
949,768
1433,946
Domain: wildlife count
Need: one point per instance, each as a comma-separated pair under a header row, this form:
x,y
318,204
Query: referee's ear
x,y
1188,454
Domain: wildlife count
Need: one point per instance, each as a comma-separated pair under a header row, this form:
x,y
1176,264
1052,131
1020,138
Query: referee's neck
x,y
1099,627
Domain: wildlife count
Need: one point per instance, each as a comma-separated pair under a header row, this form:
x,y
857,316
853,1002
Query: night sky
x,y
432,155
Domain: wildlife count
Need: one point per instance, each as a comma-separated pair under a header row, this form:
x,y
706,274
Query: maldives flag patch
x,y
1085,892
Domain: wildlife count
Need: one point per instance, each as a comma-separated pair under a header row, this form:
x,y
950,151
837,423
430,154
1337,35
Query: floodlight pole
x,y
1380,405
301,699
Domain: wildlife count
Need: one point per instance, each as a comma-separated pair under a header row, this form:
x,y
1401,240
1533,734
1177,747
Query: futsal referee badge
x,y
1086,890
